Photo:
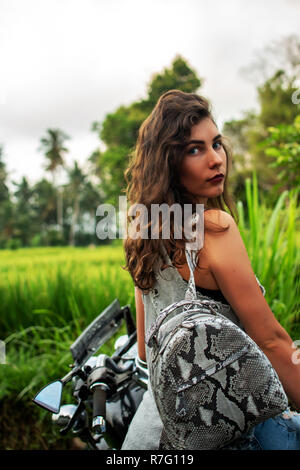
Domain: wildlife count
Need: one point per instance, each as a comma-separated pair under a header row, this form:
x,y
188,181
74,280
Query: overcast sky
x,y
66,63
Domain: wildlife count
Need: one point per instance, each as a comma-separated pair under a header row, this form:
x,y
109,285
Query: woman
x,y
181,158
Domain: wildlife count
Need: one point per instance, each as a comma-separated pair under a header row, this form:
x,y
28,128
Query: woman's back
x,y
203,274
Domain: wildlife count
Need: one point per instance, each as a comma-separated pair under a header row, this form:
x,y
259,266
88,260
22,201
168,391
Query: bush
x,y
13,244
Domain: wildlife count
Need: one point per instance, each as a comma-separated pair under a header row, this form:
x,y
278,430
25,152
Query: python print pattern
x,y
210,381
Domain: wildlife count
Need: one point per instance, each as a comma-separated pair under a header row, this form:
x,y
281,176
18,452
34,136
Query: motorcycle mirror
x,y
50,396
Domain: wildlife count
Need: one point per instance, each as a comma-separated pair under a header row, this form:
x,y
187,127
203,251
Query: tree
x,y
74,189
283,145
277,71
25,225
276,106
54,150
239,133
44,202
179,76
94,158
91,198
6,205
4,192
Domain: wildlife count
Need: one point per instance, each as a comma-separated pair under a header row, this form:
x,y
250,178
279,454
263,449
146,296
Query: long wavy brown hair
x,y
152,177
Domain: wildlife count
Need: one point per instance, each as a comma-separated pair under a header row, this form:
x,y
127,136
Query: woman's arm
x,y
231,267
140,323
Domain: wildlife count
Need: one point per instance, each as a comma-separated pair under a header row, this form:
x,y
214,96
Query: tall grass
x,y
48,296
270,236
60,286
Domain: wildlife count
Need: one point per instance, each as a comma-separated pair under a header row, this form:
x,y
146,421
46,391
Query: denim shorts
x,y
279,433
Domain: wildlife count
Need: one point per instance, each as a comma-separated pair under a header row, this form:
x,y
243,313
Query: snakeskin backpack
x,y
210,380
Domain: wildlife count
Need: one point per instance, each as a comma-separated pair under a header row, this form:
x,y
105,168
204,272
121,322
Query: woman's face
x,y
204,158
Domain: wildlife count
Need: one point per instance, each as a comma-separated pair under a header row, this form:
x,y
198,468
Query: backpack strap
x,y
188,303
191,293
190,306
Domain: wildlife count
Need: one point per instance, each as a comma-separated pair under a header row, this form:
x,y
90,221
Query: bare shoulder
x,y
225,249
221,233
218,217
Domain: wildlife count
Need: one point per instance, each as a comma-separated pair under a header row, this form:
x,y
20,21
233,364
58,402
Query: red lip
x,y
219,176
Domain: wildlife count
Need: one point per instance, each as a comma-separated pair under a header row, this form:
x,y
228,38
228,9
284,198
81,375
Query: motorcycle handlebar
x,y
99,407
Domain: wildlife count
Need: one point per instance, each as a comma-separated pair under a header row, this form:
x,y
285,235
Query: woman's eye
x,y
193,151
218,144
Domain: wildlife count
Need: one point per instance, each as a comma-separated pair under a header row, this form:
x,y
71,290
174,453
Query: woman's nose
x,y
214,157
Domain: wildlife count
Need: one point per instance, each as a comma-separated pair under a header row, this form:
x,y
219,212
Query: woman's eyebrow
x,y
196,141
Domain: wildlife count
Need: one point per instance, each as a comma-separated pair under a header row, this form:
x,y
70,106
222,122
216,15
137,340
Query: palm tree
x,y
75,187
24,224
90,200
44,203
53,147
6,205
4,192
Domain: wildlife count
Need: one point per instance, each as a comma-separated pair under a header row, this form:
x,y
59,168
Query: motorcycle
x,y
107,389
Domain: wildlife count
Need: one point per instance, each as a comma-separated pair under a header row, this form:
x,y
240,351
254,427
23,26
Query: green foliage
x,y
24,221
283,144
13,244
114,162
6,221
53,147
274,94
44,202
4,192
179,76
121,127
239,132
28,215
6,206
75,189
270,238
54,150
276,106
